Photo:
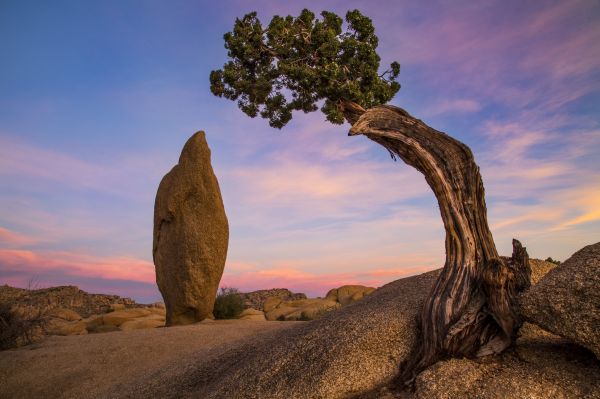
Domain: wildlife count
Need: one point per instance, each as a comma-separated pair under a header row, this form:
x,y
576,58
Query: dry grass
x,y
18,329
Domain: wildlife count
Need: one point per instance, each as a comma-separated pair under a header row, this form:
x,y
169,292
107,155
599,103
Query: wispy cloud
x,y
10,238
29,263
458,106
34,166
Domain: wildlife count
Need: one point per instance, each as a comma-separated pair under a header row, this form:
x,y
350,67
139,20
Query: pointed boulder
x,y
191,234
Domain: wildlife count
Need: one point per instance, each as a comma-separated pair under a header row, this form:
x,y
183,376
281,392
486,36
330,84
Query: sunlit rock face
x,y
191,234
566,300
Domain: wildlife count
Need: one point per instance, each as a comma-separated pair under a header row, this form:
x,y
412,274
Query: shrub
x,y
229,304
17,329
556,262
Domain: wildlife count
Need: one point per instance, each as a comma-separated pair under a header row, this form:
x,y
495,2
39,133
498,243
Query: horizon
x,y
97,100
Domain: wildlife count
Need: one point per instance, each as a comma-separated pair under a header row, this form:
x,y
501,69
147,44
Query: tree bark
x,y
471,310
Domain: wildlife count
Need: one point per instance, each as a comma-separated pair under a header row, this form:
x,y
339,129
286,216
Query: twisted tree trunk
x,y
471,310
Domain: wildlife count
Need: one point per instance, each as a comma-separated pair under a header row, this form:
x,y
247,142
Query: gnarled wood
x,y
471,309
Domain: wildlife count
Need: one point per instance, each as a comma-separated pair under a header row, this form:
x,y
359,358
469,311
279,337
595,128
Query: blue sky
x,y
97,99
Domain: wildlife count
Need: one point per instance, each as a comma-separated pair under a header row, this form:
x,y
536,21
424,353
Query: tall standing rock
x,y
191,235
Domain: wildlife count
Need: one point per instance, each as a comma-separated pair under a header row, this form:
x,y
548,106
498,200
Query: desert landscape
x,y
243,262
353,351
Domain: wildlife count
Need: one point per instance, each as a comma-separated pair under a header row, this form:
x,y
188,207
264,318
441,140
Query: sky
x,y
97,99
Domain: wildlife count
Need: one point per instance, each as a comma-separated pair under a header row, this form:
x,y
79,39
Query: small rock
x,y
121,316
117,306
143,323
252,314
62,327
62,313
302,309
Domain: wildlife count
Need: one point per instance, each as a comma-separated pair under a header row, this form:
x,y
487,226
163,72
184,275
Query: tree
x,y
293,64
308,59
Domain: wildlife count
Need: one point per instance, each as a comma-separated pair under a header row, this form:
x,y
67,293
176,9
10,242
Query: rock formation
x,y
541,365
64,297
300,309
252,314
346,294
342,354
256,299
191,235
566,301
288,308
128,319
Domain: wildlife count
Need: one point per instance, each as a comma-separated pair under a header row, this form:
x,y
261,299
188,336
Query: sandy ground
x,y
86,366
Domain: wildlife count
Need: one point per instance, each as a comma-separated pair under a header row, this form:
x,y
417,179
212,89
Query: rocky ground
x,y
353,352
89,366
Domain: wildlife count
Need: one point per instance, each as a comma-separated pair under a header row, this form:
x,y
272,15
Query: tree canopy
x,y
295,62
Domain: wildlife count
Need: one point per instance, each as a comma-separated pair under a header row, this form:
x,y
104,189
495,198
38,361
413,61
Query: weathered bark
x,y
471,309
351,110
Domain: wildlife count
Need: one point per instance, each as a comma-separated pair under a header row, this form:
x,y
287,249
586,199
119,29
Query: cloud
x,y
459,106
38,168
27,263
11,238
586,201
538,187
519,56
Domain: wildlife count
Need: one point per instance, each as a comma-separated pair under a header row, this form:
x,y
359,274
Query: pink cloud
x,y
11,238
586,201
542,56
21,265
31,263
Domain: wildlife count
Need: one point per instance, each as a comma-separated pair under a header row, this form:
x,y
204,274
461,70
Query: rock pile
x,y
282,308
127,319
300,309
66,297
347,294
71,311
256,299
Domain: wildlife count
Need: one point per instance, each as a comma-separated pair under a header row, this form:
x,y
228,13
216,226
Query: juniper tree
x,y
296,63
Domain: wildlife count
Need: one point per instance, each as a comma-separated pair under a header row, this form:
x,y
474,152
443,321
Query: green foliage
x,y
296,62
228,304
549,259
16,329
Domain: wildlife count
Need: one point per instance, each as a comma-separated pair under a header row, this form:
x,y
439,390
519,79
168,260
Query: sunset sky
x,y
97,99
